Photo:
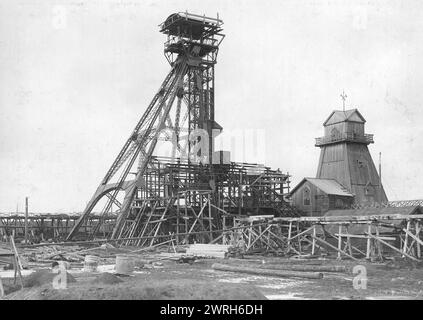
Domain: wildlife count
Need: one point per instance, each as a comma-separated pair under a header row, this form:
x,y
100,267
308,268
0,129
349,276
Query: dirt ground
x,y
172,280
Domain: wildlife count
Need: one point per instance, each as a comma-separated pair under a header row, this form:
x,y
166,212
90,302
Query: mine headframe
x,y
191,49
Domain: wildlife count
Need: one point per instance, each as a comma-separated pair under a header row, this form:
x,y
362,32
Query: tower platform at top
x,y
192,34
344,126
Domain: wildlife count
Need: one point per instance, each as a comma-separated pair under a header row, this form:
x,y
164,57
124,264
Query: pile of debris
x,y
73,254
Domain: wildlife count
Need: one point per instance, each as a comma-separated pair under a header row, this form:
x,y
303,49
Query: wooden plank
x,y
350,219
206,246
268,272
360,236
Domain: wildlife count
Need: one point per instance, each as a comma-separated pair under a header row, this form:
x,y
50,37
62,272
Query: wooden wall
x,y
352,166
345,127
320,202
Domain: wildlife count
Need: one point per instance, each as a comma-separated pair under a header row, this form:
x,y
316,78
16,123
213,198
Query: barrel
x,y
91,263
124,264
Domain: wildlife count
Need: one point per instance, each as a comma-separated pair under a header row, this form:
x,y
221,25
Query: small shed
x,y
314,197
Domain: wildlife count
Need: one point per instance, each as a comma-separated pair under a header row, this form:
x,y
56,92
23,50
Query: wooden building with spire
x,y
346,162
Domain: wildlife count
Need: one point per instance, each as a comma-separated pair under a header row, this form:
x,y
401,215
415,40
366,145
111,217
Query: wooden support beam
x,y
369,241
299,238
218,238
394,248
333,247
313,244
406,237
339,241
418,240
197,218
361,236
210,218
1,289
258,237
151,247
350,219
17,261
417,227
249,234
378,245
302,232
289,237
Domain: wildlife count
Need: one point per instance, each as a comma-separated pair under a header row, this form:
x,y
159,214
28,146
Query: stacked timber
x,y
208,250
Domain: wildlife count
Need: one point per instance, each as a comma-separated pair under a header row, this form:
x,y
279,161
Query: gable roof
x,y
337,116
328,186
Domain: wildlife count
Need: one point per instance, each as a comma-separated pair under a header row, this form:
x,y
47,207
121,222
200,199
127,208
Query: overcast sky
x,y
75,76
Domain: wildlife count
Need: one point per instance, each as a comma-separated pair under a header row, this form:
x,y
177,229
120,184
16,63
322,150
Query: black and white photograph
x,y
241,153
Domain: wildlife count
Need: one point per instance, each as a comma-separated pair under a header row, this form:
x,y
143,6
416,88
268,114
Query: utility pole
x,y
380,169
26,220
380,175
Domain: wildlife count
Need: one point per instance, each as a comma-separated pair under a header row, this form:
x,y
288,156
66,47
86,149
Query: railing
x,y
349,137
216,22
204,41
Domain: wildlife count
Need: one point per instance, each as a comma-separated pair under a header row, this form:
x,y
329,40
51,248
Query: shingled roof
x,y
328,186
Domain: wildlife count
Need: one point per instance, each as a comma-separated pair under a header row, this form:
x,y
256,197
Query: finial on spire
x,y
343,97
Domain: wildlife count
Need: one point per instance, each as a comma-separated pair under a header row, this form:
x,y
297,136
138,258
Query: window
x,y
335,134
306,196
369,189
339,203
